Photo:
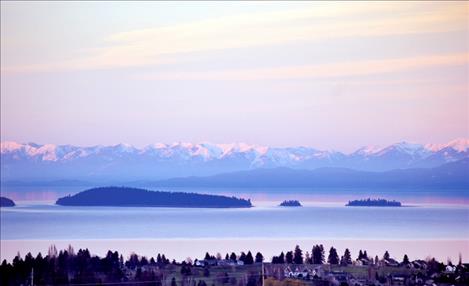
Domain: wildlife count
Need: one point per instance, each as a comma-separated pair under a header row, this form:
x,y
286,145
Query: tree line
x,y
318,256
69,267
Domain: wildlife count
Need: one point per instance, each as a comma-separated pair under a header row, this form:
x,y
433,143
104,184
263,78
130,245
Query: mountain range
x,y
122,162
454,175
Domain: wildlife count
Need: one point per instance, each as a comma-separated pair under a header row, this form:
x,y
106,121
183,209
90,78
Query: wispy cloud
x,y
320,22
342,69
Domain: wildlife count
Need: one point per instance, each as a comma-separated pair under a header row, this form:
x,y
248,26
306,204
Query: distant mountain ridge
x,y
450,175
31,161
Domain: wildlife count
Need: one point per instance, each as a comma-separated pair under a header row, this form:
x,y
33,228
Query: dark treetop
x,y
124,196
291,203
373,203
6,202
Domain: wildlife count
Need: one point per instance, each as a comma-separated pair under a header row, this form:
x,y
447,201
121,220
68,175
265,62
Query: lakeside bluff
x,y
290,203
373,203
6,202
134,197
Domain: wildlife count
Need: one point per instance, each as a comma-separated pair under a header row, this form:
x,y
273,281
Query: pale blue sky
x,y
327,75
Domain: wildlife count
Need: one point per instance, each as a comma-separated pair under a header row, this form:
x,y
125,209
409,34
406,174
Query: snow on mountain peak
x,y
10,146
460,145
257,154
47,151
368,150
242,148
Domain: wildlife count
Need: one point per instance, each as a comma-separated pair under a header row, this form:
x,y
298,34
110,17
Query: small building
x,y
399,279
391,262
206,262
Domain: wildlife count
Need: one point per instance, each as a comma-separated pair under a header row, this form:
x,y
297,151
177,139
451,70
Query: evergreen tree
x,y
333,256
318,254
289,257
259,257
242,257
347,258
233,256
281,258
386,255
365,255
405,260
143,261
298,255
360,255
249,259
227,257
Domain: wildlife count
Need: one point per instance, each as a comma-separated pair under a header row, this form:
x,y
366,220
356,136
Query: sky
x,y
330,75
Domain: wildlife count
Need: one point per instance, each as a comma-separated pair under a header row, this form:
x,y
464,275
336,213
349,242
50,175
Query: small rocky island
x,y
6,202
373,203
290,203
133,197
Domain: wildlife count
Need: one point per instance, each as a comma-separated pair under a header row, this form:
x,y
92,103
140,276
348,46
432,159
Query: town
x,y
293,268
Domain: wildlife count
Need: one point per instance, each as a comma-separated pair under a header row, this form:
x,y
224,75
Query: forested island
x,y
290,203
6,202
134,197
373,203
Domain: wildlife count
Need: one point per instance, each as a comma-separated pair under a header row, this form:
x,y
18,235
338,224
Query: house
x,y
199,263
450,269
363,262
391,262
297,273
399,279
419,264
339,277
205,262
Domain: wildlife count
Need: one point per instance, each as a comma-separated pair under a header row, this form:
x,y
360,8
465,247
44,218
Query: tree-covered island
x,y
133,197
6,202
290,203
373,203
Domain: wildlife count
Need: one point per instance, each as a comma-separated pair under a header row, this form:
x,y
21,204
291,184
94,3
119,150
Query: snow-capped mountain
x,y
125,162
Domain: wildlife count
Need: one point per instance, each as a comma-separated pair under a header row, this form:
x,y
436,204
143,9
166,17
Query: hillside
x,y
451,175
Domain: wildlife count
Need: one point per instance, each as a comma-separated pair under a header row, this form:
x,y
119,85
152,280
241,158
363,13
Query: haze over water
x,y
33,225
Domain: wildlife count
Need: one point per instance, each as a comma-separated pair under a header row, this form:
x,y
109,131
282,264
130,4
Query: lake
x,y
435,224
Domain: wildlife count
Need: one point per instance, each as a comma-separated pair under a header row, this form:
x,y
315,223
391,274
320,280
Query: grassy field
x,y
211,276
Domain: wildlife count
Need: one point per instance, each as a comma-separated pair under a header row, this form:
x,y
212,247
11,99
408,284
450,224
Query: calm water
x,y
272,195
328,222
435,223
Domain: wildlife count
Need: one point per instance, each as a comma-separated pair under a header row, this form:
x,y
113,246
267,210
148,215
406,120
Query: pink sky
x,y
329,75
